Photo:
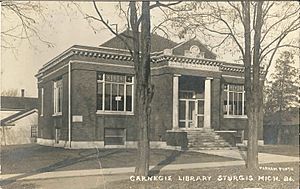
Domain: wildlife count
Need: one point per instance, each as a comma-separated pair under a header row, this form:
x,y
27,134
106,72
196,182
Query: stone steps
x,y
220,142
206,139
212,148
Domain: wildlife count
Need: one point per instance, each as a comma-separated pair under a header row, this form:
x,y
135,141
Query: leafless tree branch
x,y
26,28
159,4
100,19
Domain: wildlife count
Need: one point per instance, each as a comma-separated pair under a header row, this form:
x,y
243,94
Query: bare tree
x,y
21,22
257,29
138,43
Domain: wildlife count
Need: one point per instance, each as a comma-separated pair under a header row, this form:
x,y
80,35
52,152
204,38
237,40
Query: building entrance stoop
x,y
206,139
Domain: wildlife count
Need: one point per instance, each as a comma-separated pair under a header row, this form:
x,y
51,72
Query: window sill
x,y
236,116
57,114
113,113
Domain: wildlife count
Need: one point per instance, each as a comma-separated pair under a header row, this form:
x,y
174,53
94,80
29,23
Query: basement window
x,y
114,136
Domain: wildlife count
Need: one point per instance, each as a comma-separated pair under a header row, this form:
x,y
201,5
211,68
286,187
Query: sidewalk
x,y
263,158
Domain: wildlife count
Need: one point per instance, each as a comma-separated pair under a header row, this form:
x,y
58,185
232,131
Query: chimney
x,y
22,92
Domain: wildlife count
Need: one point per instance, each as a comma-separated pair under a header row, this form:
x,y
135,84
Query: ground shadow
x,y
60,164
169,159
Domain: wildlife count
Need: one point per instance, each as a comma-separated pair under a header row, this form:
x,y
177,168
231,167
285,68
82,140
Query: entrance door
x,y
191,111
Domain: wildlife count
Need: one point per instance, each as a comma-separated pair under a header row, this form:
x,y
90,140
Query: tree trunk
x,y
252,155
253,84
141,57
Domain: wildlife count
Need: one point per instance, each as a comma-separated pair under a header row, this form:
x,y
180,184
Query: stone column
x,y
207,103
175,102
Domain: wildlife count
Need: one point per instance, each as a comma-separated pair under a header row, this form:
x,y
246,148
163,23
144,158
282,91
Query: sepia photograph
x,y
149,94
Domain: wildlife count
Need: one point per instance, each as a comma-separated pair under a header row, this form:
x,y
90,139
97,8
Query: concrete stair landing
x,y
206,139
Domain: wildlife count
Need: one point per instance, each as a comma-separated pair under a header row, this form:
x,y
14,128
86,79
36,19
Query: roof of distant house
x,y
10,103
10,119
158,43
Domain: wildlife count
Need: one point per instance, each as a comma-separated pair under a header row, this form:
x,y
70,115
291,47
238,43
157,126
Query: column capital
x,y
209,78
176,75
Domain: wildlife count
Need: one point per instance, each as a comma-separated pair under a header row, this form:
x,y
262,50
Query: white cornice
x,y
122,55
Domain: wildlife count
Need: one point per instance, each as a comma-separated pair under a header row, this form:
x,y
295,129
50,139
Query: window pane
x,y
100,88
129,89
191,110
239,104
114,86
115,78
120,99
236,101
231,103
200,107
182,124
100,96
59,99
58,96
225,86
182,110
114,96
107,96
129,79
100,76
54,98
186,94
225,103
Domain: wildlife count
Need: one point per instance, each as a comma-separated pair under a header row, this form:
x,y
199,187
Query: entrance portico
x,y
191,102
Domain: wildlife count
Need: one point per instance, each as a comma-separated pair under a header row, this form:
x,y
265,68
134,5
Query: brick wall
x,y
84,90
162,106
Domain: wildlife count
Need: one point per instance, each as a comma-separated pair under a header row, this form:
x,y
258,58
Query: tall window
x,y
58,96
42,102
234,100
114,92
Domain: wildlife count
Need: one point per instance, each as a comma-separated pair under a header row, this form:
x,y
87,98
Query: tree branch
x,y
285,17
159,4
100,19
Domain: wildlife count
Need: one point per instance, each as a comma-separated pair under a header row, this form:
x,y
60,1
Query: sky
x,y
61,28
63,25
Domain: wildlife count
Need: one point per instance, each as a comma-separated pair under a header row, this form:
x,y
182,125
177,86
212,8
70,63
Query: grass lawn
x,y
287,150
260,179
36,158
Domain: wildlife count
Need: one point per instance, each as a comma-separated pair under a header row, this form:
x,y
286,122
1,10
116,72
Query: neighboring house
x,y
287,132
18,120
87,97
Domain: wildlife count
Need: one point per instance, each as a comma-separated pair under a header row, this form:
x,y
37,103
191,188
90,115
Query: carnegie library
x,y
87,98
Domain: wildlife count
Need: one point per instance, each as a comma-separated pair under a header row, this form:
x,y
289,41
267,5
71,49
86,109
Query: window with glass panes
x,y
58,96
114,92
234,100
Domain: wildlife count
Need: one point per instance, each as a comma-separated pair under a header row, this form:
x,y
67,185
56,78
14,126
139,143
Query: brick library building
x,y
87,98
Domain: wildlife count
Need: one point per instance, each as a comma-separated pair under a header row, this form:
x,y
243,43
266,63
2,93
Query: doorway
x,y
191,110
191,102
